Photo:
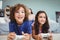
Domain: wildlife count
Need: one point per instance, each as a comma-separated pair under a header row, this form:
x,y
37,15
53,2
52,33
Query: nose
x,y
43,18
20,13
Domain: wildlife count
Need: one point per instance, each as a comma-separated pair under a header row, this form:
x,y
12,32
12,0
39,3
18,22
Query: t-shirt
x,y
26,27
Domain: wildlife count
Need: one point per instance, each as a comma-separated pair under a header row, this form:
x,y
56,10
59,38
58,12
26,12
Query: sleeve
x,y
11,27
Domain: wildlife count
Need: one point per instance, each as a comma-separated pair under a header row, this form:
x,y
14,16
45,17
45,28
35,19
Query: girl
x,y
40,26
19,23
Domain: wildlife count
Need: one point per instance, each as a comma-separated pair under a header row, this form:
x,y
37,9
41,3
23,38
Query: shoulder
x,y
25,22
11,23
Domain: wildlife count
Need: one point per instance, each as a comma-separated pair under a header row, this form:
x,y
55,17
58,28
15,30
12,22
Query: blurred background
x,y
51,7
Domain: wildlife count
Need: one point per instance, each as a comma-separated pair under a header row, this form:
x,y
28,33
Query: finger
x,y
13,33
40,36
22,32
25,38
11,36
26,34
9,39
50,35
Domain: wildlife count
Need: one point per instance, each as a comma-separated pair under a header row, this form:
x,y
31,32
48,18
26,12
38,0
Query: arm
x,y
50,37
36,37
11,34
33,33
11,27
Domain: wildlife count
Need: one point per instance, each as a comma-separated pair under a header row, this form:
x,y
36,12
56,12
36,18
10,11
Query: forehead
x,y
21,8
42,14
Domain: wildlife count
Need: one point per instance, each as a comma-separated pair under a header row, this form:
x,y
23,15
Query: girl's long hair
x,y
45,26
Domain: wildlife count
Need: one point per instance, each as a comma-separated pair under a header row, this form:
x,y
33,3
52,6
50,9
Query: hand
x,y
39,37
11,36
26,36
50,37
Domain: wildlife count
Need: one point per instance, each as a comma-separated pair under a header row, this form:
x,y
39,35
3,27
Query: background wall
x,y
0,4
50,6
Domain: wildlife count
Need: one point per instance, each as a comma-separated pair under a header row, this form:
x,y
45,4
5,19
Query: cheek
x,y
39,20
44,20
15,16
23,15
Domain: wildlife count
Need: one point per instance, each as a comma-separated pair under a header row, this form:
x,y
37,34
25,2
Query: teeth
x,y
20,17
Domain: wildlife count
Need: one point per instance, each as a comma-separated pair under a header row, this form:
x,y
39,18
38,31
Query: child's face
x,y
29,11
42,18
20,15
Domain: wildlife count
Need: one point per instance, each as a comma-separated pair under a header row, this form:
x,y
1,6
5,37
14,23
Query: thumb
x,y
22,33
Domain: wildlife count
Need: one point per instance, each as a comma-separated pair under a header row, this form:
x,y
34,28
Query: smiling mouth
x,y
20,17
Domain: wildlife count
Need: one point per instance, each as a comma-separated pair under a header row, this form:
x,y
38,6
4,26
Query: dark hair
x,y
31,10
16,8
45,26
8,6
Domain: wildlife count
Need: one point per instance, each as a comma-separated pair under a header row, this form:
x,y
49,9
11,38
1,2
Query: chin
x,y
20,20
42,23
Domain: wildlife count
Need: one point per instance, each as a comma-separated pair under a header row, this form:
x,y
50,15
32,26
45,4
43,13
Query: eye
x,y
22,12
17,12
44,17
40,16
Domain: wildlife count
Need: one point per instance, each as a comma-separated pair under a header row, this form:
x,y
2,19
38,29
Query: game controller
x,y
19,37
45,35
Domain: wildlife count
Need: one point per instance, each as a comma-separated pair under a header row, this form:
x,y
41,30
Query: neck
x,y
40,27
19,23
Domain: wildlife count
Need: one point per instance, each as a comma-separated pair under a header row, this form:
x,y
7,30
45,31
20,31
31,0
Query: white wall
x,y
0,4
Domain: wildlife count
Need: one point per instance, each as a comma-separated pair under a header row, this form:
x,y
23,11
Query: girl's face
x,y
20,15
41,18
